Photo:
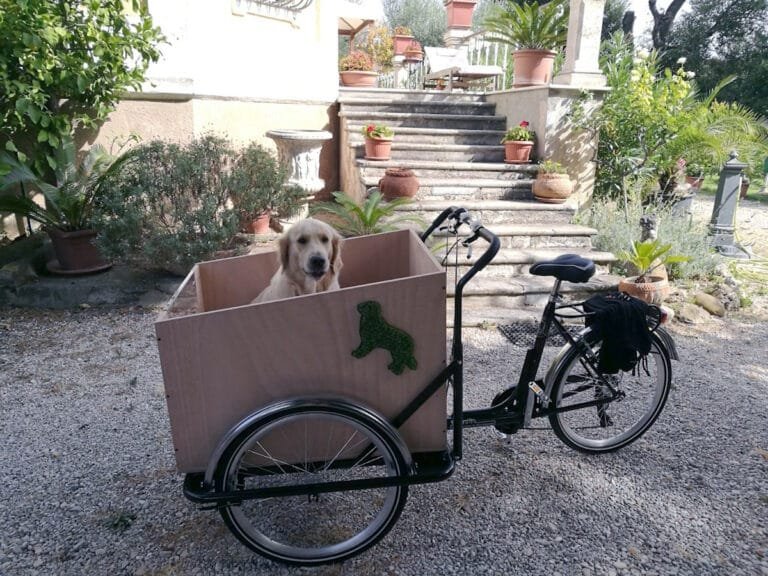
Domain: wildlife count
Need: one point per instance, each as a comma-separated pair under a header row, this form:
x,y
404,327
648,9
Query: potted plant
x,y
536,32
401,39
647,257
373,216
518,143
67,215
459,13
552,184
694,175
356,69
258,190
378,141
414,52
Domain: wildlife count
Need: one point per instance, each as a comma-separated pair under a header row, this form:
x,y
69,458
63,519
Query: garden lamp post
x,y
723,223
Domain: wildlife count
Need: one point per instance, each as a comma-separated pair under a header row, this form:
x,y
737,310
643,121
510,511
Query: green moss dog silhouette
x,y
375,332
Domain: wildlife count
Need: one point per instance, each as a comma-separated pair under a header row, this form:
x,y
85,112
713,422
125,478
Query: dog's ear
x,y
284,244
336,262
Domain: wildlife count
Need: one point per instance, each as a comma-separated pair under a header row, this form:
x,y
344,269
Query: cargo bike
x,y
304,421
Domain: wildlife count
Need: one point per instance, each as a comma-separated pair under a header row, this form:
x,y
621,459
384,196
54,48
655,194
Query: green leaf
x,y
11,147
42,136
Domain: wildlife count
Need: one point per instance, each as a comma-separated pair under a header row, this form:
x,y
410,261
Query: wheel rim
x,y
618,422
305,448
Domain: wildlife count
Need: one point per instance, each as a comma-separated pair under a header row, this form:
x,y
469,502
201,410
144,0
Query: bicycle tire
x,y
310,442
617,423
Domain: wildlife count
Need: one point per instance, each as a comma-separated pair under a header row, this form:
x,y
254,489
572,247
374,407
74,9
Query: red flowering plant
x,y
519,133
377,132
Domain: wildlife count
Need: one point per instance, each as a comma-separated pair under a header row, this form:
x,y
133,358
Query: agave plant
x,y
374,215
648,255
69,204
530,26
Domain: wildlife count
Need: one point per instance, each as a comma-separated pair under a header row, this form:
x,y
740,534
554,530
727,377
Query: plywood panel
x,y
222,365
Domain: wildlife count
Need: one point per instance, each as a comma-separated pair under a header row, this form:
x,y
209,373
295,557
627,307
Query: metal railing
x,y
480,51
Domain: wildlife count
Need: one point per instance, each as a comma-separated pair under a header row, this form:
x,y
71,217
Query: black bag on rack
x,y
622,322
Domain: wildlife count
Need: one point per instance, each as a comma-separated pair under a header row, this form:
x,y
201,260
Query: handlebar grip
x,y
450,212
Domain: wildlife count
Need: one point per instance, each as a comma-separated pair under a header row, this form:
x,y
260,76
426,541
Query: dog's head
x,y
311,248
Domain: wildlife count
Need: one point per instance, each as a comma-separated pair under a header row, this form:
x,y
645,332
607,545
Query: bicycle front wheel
x,y
632,400
313,444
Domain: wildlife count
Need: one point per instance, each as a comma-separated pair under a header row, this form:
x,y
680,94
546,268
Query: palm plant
x,y
530,26
373,216
70,203
648,255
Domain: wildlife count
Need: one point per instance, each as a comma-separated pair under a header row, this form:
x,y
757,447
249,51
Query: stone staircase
x,y
451,142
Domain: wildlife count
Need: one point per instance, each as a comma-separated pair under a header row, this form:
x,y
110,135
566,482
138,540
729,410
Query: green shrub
x,y
618,228
169,208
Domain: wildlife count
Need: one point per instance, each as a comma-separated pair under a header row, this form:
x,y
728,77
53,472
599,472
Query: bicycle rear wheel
x,y
313,443
619,421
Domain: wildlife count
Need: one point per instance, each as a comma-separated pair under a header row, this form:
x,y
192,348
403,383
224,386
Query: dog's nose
x,y
317,263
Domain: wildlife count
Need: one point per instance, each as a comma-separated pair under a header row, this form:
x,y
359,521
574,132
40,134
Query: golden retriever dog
x,y
310,261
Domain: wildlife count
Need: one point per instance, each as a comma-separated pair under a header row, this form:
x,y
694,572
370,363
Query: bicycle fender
x,y
667,342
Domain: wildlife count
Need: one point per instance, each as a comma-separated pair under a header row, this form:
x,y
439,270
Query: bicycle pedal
x,y
539,391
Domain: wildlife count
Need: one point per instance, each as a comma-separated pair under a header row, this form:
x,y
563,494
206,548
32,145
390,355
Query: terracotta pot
x,y
552,188
398,183
378,148
358,78
532,67
653,292
694,182
414,54
459,13
76,253
517,151
260,224
744,188
400,42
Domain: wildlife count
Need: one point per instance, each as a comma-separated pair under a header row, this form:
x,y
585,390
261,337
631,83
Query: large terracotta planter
x,y
378,148
532,67
694,182
459,13
552,188
76,253
398,183
653,292
358,78
400,42
517,151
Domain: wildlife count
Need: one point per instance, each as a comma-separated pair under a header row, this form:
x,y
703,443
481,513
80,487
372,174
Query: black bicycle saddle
x,y
569,267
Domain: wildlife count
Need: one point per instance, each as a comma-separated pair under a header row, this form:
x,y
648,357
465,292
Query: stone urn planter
x,y
398,183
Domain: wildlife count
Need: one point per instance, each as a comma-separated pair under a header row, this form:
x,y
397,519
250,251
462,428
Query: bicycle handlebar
x,y
460,217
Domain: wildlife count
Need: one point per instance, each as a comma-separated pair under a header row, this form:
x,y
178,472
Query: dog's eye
x,y
302,240
324,239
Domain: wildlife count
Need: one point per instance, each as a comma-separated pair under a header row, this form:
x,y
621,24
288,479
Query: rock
x,y
728,295
710,303
691,314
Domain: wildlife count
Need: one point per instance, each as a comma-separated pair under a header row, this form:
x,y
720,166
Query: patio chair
x,y
450,67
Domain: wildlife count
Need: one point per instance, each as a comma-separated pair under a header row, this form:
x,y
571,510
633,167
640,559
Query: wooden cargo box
x,y
223,358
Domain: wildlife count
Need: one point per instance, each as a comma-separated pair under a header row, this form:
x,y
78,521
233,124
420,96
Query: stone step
x,y
570,237
400,119
495,212
355,94
512,262
464,189
426,170
373,105
525,290
434,136
441,152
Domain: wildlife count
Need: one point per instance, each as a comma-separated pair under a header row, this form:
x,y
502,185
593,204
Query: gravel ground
x,y
89,485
